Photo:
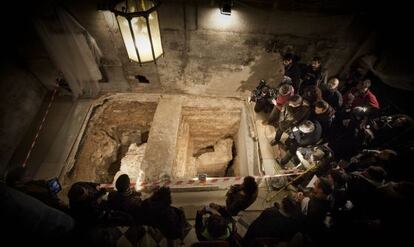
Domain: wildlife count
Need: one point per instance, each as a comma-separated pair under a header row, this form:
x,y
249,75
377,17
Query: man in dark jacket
x,y
362,187
277,223
312,94
156,211
241,196
331,94
124,198
292,70
308,133
85,202
325,115
293,113
315,209
313,76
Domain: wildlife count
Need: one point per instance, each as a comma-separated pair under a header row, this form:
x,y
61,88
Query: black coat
x,y
311,77
291,116
124,201
333,97
236,201
271,224
314,220
171,221
325,119
306,139
362,193
294,72
87,210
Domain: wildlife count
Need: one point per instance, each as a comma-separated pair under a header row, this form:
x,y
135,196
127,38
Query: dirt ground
x,y
110,131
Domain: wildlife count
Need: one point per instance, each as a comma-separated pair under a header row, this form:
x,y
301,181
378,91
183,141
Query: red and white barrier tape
x,y
195,182
40,127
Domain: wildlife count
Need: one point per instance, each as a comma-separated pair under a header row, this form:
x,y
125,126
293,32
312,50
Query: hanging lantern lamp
x,y
139,26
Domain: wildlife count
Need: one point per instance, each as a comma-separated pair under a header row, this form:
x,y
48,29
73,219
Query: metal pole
x,y
150,37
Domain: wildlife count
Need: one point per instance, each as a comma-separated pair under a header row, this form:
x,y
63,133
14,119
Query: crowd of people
x,y
92,211
357,184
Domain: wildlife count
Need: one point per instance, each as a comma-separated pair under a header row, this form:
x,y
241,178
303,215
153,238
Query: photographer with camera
x,y
308,133
388,130
292,113
263,96
285,92
43,190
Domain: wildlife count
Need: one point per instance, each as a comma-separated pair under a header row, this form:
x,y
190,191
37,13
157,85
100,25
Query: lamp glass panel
x,y
127,37
155,34
142,40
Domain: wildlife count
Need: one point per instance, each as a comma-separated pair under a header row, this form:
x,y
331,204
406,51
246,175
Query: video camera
x,y
263,91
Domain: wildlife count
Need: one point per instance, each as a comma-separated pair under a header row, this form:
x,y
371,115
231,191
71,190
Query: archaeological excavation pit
x,y
207,142
113,127
177,136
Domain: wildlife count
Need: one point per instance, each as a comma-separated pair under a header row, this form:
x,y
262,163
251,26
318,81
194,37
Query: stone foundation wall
x,y
188,135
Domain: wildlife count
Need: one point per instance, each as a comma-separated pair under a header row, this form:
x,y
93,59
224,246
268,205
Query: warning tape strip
x,y
196,182
40,127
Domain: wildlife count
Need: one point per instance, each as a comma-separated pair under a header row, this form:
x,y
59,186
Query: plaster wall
x,y
21,97
207,53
